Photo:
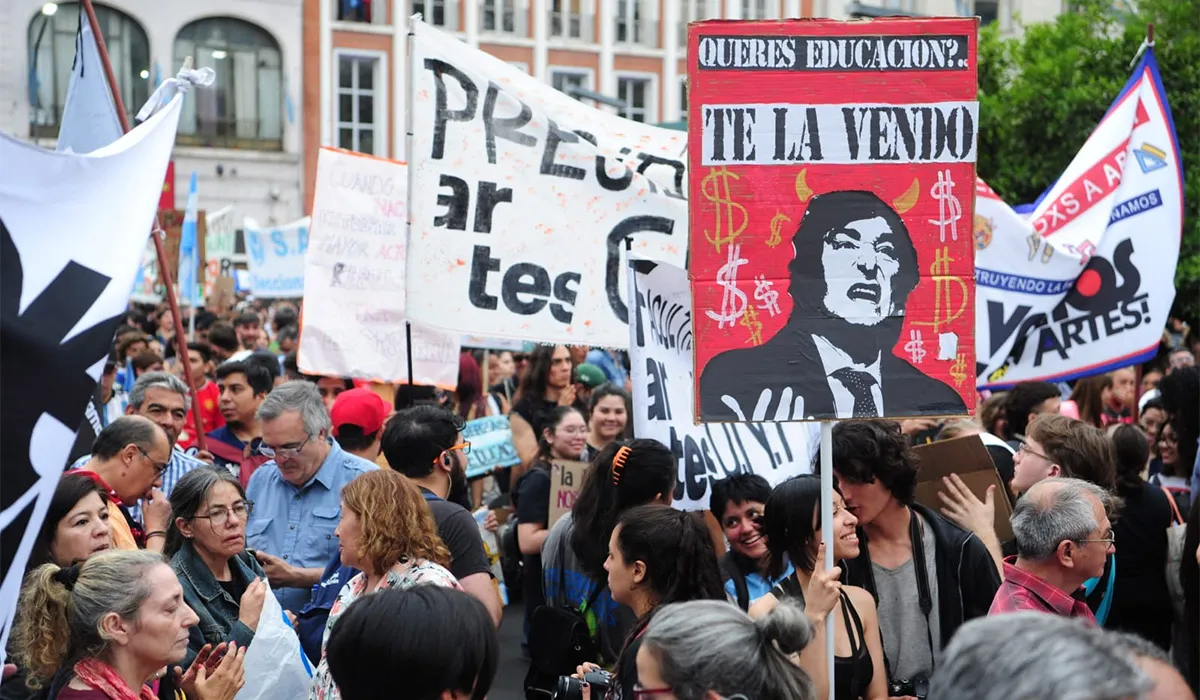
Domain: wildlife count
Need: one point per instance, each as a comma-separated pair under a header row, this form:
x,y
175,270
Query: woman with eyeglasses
x,y
388,534
563,438
222,581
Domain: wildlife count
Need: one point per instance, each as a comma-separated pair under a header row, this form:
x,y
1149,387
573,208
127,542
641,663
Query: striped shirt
x,y
177,466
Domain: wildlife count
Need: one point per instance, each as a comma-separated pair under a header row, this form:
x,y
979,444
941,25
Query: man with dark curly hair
x,y
927,575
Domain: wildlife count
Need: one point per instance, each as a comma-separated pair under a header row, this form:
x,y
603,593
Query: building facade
x,y
243,136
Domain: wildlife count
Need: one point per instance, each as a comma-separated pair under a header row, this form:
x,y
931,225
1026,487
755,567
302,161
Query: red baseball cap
x,y
361,407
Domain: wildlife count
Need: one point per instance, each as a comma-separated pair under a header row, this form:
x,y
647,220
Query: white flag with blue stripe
x,y
189,288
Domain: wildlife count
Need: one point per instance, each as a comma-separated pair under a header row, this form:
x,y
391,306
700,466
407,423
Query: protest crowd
x,y
370,477
156,559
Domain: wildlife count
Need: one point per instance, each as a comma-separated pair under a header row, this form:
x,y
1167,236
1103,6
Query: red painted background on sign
x,y
765,203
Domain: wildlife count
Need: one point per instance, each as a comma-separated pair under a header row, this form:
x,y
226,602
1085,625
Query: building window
x,y
566,79
503,17
569,20
635,24
244,107
635,93
360,11
755,9
359,98
52,52
440,13
691,11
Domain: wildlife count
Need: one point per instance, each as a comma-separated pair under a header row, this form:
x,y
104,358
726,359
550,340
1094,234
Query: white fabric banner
x,y
72,229
522,199
276,257
89,119
1084,284
354,311
660,358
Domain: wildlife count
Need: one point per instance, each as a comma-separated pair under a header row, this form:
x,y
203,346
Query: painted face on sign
x,y
860,262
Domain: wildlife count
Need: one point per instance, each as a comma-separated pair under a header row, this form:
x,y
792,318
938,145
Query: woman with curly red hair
x,y
388,532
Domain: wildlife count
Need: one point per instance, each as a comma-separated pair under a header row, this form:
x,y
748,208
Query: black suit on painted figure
x,y
853,271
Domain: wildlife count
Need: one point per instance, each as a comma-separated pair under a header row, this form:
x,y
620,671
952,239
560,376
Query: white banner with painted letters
x,y
660,357
1085,282
354,311
522,199
276,255
219,244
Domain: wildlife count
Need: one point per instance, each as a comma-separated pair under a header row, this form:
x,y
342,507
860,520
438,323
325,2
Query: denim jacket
x,y
218,611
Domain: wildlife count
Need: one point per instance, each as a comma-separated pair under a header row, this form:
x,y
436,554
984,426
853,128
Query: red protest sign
x,y
832,171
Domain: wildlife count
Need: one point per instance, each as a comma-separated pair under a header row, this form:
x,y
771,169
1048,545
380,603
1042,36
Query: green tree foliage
x,y
1042,94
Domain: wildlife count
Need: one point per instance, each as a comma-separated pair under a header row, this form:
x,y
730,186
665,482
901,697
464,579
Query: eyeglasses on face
x,y
284,451
1109,541
1025,449
159,467
220,516
465,446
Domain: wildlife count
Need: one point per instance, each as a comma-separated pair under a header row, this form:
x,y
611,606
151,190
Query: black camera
x,y
569,688
917,687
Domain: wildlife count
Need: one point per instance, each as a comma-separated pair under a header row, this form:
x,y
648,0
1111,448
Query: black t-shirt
x,y
460,533
235,588
1141,603
534,412
532,497
626,678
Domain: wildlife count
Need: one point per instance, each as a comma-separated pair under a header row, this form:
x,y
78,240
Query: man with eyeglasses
x,y
164,399
297,495
128,460
1063,538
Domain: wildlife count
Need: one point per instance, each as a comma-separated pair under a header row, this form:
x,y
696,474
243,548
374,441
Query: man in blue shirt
x,y
297,495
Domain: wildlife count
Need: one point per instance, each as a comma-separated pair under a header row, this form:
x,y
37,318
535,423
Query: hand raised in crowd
x,y
156,511
823,589
965,508
278,571
567,396
205,456
223,682
916,425
251,605
208,657
490,523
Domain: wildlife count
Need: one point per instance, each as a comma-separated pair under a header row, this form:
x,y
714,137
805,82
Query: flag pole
x,y
164,274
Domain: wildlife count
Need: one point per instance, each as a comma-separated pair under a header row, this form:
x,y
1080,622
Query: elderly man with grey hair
x,y
1033,656
297,495
164,399
1063,538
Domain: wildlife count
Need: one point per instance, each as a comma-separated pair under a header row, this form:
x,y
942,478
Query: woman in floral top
x,y
388,532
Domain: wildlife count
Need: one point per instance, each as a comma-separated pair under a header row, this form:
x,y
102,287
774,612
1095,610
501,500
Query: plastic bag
x,y
275,665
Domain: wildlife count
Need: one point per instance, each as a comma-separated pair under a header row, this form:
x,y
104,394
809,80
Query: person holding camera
x,y
927,575
657,556
792,526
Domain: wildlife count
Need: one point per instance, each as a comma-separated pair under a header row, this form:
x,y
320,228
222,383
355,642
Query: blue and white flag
x,y
189,287
90,119
1083,283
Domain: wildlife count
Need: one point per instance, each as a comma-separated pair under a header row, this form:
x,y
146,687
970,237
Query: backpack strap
x,y
1176,518
731,571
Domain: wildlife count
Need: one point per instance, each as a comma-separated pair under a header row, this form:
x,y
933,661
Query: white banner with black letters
x,y
522,198
660,358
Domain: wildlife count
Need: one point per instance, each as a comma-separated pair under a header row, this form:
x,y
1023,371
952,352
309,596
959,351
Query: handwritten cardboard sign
x,y
491,445
968,457
171,221
565,480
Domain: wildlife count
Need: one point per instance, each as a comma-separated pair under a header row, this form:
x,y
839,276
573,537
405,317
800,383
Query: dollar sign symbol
x,y
733,302
915,347
715,188
944,311
958,370
751,322
949,208
767,298
777,223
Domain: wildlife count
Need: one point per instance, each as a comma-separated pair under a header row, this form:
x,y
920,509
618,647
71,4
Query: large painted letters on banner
x,y
660,356
72,228
1085,282
522,198
831,258
276,256
354,301
219,246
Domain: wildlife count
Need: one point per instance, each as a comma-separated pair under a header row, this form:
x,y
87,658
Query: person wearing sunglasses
x,y
128,460
222,582
297,495
1064,538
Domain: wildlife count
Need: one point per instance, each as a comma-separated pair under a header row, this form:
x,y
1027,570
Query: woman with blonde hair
x,y
106,629
388,533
